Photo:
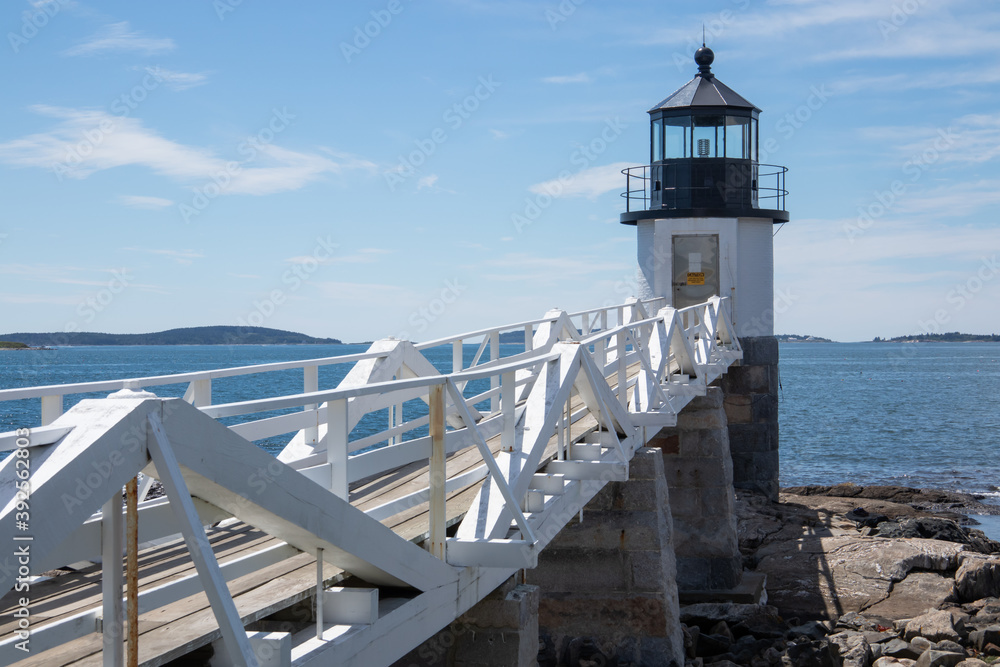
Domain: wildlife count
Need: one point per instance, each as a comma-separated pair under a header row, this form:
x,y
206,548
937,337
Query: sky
x,y
421,168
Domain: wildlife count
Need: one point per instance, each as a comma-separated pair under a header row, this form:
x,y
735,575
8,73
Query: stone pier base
x,y
751,404
699,472
501,630
607,585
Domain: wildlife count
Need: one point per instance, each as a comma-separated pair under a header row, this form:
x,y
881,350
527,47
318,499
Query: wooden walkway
x,y
577,403
177,629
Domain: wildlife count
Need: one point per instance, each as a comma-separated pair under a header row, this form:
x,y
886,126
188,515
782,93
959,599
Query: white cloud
x,y
499,134
178,80
582,77
118,141
120,37
590,183
179,256
139,201
427,181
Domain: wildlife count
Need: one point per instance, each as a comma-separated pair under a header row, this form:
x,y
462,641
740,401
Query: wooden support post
x,y
336,446
319,594
528,342
438,477
132,569
310,383
112,532
52,407
507,437
230,624
622,371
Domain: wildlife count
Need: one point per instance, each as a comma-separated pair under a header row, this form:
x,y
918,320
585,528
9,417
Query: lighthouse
x,y
705,210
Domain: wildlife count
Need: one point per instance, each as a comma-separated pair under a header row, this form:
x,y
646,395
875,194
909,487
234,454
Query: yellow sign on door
x,y
697,278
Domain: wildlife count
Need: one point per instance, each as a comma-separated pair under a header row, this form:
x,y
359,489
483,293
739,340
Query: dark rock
x,y
712,645
978,577
690,639
937,528
810,630
934,625
991,649
854,649
897,648
722,629
813,654
934,658
980,638
950,646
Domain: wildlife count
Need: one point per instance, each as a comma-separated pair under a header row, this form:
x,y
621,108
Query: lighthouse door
x,y
695,269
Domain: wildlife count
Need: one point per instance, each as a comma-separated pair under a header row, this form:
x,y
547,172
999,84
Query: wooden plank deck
x,y
178,628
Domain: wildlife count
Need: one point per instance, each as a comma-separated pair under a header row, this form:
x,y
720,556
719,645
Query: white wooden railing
x,y
630,367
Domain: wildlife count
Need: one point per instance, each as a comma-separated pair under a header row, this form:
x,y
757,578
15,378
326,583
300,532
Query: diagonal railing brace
x,y
233,633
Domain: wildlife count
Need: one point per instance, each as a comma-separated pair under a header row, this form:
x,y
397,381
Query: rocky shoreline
x,y
858,576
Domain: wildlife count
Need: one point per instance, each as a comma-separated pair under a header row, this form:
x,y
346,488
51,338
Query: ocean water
x,y
914,414
923,415
67,365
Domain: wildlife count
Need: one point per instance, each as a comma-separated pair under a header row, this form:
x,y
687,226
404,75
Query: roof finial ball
x,y
704,57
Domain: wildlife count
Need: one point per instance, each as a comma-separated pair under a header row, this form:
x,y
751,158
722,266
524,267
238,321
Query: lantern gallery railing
x,y
505,450
705,184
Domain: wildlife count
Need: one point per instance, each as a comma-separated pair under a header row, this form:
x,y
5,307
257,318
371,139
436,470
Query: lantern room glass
x,y
677,137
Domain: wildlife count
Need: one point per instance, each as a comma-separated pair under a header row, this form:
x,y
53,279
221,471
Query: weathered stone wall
x,y
501,630
751,404
699,472
608,585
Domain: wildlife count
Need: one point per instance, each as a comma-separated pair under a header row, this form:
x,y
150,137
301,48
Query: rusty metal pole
x,y
132,569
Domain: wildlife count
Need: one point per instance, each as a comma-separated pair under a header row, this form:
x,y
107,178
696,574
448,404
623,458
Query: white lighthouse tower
x,y
705,209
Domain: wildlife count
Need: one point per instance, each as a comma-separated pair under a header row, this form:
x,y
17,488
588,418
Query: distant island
x,y
953,337
11,345
793,338
219,335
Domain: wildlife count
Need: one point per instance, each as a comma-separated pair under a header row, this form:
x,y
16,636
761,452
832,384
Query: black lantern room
x,y
704,157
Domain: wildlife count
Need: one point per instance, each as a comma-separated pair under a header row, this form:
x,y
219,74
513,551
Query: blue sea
x,y
913,414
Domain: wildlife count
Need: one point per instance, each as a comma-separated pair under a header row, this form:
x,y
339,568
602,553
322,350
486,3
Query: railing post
x,y
52,407
507,437
132,568
438,477
319,594
494,355
112,534
199,393
528,342
622,370
336,446
457,358
310,383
